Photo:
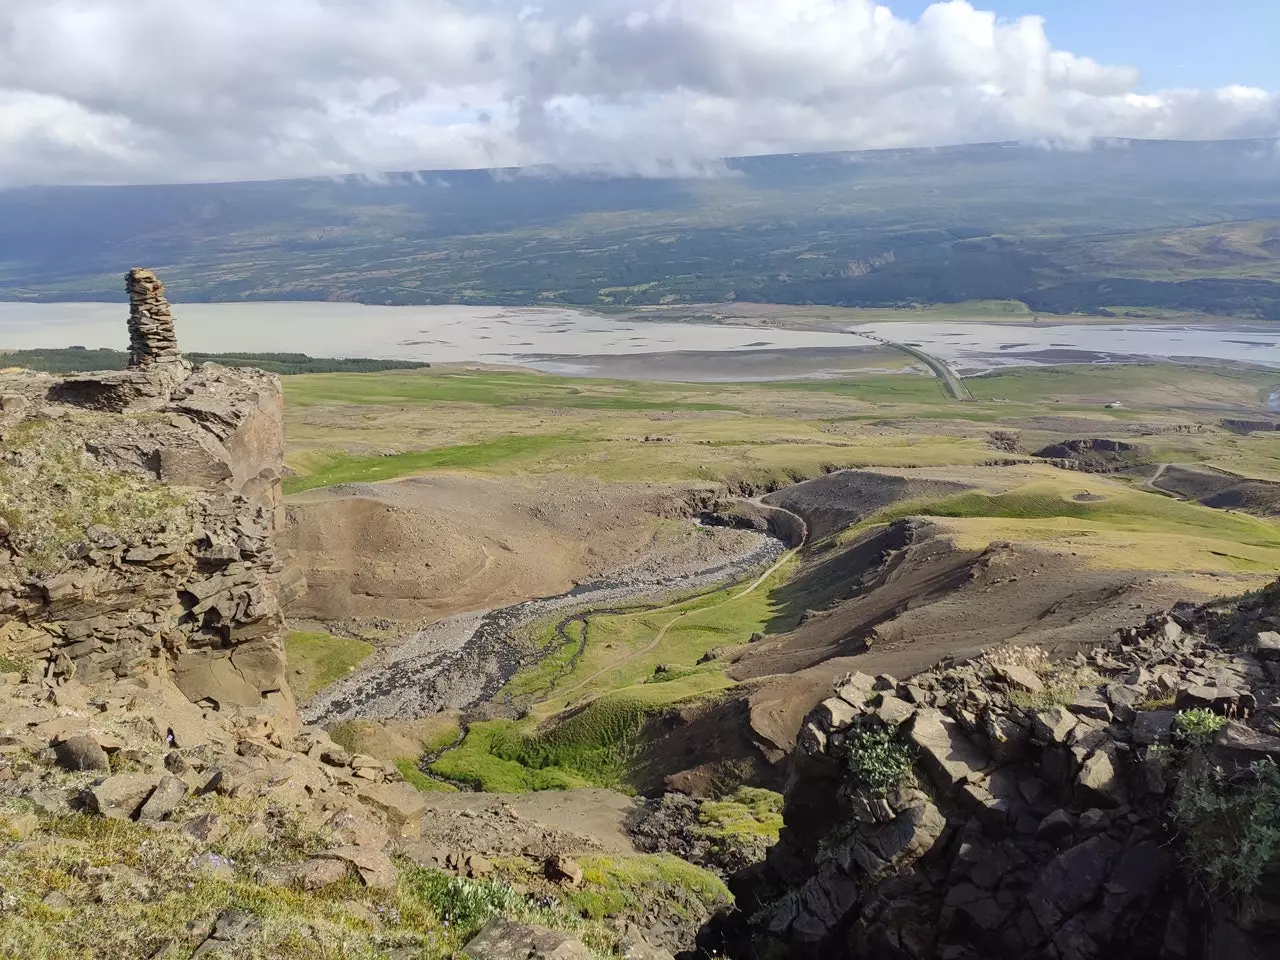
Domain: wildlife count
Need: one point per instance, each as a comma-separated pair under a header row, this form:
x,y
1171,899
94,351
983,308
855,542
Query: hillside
x,y
1126,224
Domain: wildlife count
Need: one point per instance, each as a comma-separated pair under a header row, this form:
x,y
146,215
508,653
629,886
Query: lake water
x,y
567,340
974,347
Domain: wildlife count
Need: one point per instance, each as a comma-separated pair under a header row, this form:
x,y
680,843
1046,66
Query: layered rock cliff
x,y
138,512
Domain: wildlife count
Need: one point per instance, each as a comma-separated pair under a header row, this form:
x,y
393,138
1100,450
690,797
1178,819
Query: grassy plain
x,y
587,702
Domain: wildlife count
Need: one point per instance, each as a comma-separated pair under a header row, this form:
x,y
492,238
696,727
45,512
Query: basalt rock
x,y
195,596
1019,829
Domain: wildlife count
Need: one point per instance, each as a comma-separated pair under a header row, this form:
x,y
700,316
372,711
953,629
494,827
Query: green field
x,y
585,723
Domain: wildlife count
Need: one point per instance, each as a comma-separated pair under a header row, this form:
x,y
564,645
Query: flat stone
x,y
1153,726
1237,746
81,753
166,798
947,755
835,713
1023,678
893,712
857,690
1194,696
1090,704
121,797
1053,725
503,939
1071,880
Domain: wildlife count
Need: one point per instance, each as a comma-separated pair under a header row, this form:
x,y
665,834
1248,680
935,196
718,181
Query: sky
x,y
144,91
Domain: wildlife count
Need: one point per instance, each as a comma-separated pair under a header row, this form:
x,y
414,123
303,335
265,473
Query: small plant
x,y
1232,830
1198,726
1047,698
877,759
1155,703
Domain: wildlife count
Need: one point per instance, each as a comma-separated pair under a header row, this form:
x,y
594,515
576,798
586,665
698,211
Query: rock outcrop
x,y
1013,807
139,513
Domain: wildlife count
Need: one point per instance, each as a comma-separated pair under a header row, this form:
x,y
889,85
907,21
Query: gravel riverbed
x,y
466,659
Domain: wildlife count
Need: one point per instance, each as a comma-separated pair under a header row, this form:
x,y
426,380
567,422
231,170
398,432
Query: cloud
x,y
95,91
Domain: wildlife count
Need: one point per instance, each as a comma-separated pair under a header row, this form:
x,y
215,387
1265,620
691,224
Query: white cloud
x,y
147,90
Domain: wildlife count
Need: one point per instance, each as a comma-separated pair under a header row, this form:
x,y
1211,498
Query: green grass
x,y
613,885
420,781
318,659
749,819
149,891
369,469
871,388
501,390
594,746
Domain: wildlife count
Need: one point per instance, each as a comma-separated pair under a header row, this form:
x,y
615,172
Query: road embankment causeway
x,y
466,659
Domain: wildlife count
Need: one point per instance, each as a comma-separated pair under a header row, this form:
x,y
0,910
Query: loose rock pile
x,y
1035,819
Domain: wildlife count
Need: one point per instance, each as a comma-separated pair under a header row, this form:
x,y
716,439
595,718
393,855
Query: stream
x,y
466,659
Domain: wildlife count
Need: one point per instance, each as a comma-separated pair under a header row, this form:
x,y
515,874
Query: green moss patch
x,y
318,659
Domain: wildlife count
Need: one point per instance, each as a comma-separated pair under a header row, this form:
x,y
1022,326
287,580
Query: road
x,y
951,381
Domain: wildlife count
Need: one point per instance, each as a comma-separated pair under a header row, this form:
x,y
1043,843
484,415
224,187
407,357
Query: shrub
x,y
1198,726
877,759
1232,829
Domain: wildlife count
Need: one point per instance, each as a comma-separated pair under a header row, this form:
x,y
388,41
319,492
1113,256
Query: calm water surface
x,y
532,335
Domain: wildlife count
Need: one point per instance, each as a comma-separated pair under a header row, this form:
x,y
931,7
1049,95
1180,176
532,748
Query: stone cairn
x,y
152,340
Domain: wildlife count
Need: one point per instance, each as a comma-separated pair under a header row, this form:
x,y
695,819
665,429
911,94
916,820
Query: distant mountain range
x,y
1126,224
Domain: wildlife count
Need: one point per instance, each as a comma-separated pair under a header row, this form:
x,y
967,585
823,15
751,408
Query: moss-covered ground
x,y
318,659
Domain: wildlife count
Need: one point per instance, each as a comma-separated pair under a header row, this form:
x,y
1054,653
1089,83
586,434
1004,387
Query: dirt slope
x,y
894,601
429,547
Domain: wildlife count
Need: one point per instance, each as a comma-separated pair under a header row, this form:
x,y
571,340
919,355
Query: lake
x,y
573,342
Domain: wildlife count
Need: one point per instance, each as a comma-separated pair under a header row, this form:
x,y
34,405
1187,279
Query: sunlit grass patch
x,y
318,659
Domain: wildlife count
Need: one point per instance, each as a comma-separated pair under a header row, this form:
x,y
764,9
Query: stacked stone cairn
x,y
1035,819
152,340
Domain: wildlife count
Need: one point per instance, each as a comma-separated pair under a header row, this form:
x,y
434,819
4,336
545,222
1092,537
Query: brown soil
x,y
1220,489
428,547
894,601
537,824
831,503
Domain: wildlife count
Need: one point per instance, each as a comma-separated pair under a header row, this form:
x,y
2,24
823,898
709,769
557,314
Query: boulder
x,y
1071,880
401,803
559,869
1090,704
121,797
166,798
1020,678
373,867
81,753
1053,725
1267,646
835,713
503,939
1237,747
1099,782
946,754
